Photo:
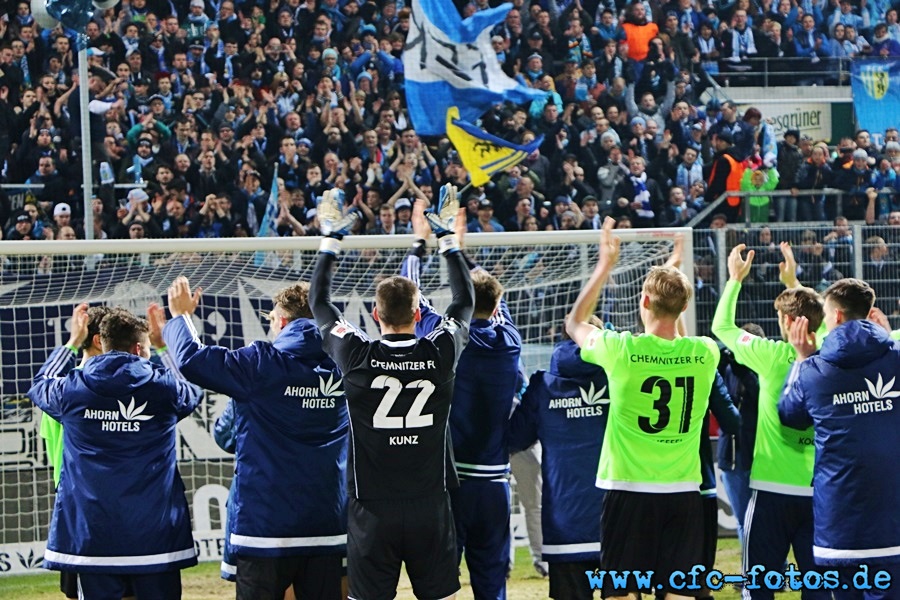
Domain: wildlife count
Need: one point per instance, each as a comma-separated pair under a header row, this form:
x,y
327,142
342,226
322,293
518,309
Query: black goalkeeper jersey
x,y
399,392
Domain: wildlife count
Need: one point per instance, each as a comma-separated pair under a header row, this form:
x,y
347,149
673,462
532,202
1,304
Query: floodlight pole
x,y
87,171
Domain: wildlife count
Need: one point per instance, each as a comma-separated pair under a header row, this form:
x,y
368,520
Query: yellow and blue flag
x,y
481,153
876,93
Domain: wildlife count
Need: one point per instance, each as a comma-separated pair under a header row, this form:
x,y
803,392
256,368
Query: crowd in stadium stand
x,y
201,104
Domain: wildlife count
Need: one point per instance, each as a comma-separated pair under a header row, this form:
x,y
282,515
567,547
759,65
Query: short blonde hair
x,y
669,291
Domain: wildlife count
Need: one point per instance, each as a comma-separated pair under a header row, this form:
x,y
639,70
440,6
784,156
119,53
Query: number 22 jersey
x,y
659,393
398,392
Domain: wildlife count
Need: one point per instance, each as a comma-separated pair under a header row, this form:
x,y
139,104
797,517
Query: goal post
x,y
41,282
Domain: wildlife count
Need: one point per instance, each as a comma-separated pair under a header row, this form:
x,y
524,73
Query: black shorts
x,y
569,581
650,532
313,577
68,585
710,531
382,534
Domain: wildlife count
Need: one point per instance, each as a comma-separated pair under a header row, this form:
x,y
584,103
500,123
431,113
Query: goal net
x,y
41,283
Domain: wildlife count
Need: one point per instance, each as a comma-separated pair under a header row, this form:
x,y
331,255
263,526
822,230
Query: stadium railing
x,y
783,71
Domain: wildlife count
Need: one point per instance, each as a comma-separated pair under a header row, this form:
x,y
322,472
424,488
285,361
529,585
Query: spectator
x,y
639,30
882,44
763,179
740,44
724,175
485,221
637,196
839,246
856,178
678,212
789,163
815,174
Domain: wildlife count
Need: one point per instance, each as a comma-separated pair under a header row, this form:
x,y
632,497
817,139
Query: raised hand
x,y
800,338
677,252
421,228
609,243
787,269
738,267
79,326
877,316
181,301
156,318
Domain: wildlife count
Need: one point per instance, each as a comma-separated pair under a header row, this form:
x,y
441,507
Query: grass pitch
x,y
203,583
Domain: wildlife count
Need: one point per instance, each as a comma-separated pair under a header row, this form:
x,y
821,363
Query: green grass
x,y
203,583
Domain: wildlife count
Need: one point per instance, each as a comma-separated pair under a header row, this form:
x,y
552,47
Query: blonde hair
x,y
669,291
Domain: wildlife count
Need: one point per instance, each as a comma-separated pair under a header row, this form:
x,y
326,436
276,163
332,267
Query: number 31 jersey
x,y
659,393
398,392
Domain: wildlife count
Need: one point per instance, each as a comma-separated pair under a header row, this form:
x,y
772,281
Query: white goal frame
x,y
267,244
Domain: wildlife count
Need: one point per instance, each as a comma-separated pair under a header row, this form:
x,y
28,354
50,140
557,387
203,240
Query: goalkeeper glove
x,y
442,217
332,220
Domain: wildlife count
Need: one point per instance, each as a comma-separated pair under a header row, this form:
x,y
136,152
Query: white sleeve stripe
x,y
56,365
191,329
413,268
168,361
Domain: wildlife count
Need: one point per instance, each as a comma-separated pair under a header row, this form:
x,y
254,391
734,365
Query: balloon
x,y
41,16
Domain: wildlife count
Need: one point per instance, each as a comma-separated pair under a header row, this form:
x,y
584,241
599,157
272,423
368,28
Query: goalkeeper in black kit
x,y
398,392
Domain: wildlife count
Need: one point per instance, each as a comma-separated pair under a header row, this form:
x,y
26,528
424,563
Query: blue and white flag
x,y
876,93
448,61
267,227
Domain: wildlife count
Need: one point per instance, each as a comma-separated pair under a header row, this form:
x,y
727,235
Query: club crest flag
x,y
876,93
481,153
448,61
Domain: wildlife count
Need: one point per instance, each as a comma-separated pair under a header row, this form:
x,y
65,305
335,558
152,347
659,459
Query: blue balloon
x,y
74,14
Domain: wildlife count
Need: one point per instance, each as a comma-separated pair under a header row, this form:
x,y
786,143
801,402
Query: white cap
x,y
138,194
62,209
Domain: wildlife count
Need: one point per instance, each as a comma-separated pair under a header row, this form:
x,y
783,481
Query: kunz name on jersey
x,y
575,408
321,397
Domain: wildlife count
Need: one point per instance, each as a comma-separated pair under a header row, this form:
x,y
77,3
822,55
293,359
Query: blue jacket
x,y
566,408
484,391
120,506
722,406
848,393
290,486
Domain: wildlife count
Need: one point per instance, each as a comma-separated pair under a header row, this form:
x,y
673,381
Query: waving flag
x,y
876,92
448,61
481,153
268,228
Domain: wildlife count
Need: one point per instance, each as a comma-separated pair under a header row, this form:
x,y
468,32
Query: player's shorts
x,y
267,578
650,532
710,530
68,585
569,581
382,534
150,586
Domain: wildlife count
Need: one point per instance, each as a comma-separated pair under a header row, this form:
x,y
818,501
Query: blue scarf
x,y
642,195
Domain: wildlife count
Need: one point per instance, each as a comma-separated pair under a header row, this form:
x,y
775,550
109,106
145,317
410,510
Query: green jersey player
x,y
660,383
779,514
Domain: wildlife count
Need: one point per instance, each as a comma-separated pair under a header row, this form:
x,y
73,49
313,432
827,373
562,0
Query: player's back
x,y
566,409
119,415
849,390
659,393
483,397
399,392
